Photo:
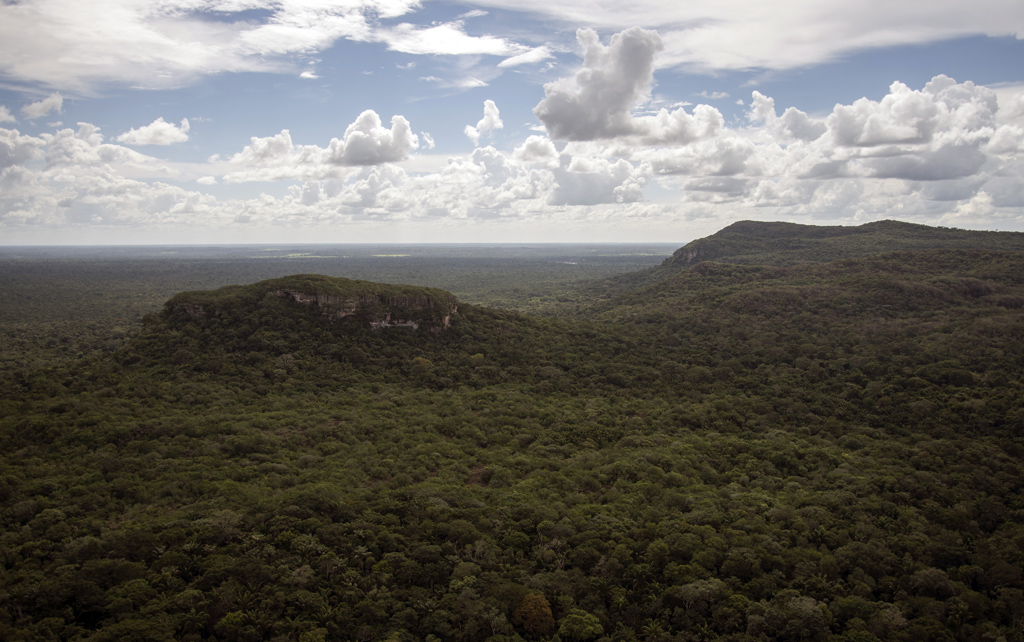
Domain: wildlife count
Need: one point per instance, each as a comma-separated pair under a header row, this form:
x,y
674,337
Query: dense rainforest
x,y
781,432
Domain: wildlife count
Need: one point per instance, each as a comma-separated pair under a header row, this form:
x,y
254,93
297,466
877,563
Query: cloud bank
x,y
946,152
712,35
80,46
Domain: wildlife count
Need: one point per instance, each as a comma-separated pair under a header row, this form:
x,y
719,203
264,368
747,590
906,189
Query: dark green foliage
x,y
783,244
826,451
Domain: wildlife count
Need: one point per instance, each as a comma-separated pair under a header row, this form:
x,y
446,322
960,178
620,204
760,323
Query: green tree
x,y
579,625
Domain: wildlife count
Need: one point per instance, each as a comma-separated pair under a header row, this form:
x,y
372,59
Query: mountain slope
x,y
767,243
777,243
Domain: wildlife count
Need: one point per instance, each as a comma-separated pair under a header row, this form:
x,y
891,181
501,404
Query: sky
x,y
500,121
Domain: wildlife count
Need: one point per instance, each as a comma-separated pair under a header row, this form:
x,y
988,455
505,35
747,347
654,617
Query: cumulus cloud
x,y
53,103
490,122
591,181
71,150
5,115
365,142
1008,139
157,132
793,124
948,149
275,158
368,142
82,181
16,149
538,151
597,103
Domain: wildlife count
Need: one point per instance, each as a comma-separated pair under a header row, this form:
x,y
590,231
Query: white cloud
x,y
529,57
447,39
1008,139
1011,105
83,183
946,153
52,103
365,142
16,149
275,158
592,181
714,95
69,151
538,151
972,212
596,104
157,132
76,45
309,74
428,140
490,122
5,115
469,83
460,82
782,34
368,142
794,124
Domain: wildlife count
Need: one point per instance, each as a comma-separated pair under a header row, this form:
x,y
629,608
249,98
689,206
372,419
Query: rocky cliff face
x,y
692,253
382,310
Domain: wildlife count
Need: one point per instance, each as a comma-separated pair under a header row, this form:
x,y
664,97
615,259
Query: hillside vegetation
x,y
824,450
783,244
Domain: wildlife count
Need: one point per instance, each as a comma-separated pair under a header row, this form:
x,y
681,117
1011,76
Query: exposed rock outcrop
x,y
377,305
383,310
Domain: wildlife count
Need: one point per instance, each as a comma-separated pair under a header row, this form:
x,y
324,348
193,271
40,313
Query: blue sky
x,y
220,121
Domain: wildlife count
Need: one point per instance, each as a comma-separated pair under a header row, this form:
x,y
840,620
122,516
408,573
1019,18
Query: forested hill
x,y
360,303
801,452
777,243
780,244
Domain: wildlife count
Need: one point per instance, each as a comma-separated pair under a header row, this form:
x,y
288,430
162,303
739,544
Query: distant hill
x,y
781,244
776,243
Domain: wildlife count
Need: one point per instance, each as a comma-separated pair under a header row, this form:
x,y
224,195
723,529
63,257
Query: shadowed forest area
x,y
779,432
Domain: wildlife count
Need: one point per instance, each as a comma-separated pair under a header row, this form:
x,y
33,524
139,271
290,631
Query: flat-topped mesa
x,y
378,305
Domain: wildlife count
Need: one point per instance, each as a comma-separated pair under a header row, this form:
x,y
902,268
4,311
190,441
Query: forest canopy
x,y
761,446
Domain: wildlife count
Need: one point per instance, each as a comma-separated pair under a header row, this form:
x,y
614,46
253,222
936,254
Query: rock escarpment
x,y
383,310
373,305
